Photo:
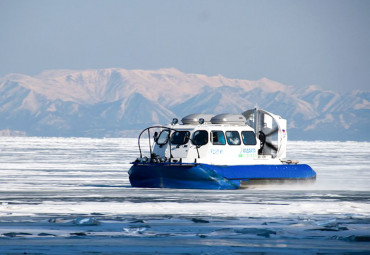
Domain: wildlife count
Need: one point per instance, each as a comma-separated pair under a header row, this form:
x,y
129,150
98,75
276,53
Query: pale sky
x,y
299,43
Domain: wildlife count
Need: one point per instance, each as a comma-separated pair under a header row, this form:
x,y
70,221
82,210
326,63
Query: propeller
x,y
262,137
272,132
267,126
272,146
269,143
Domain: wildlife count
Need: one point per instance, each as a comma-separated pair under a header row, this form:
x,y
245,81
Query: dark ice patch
x,y
255,231
16,234
197,220
97,214
355,238
334,229
78,234
138,221
45,234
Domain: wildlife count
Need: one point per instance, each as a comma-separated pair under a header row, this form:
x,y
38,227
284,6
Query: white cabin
x,y
224,139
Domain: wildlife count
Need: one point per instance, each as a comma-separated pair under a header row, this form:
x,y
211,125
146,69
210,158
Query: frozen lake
x,y
73,196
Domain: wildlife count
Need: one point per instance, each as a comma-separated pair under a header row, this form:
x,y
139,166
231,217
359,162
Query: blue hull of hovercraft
x,y
204,176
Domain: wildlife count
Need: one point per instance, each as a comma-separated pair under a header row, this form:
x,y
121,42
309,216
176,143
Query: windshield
x,y
180,137
163,137
200,137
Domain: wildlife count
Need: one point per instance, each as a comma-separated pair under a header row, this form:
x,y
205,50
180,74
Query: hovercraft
x,y
225,151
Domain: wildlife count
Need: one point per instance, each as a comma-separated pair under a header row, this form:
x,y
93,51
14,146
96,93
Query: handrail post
x,y
150,145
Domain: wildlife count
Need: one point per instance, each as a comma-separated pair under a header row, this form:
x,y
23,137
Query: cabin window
x,y
163,137
200,137
180,137
233,137
249,138
218,138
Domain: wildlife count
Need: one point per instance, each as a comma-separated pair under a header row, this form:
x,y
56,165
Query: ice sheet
x,y
75,192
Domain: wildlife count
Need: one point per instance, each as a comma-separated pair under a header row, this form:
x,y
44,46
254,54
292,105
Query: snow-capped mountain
x,y
118,102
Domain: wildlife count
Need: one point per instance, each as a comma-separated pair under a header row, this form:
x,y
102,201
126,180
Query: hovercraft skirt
x,y
204,176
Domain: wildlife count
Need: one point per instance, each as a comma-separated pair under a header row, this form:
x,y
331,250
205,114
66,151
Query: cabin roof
x,y
211,127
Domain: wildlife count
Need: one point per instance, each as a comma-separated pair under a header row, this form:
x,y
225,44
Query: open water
x,y
73,196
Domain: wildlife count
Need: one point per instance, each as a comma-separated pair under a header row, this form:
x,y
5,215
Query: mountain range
x,y
116,102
